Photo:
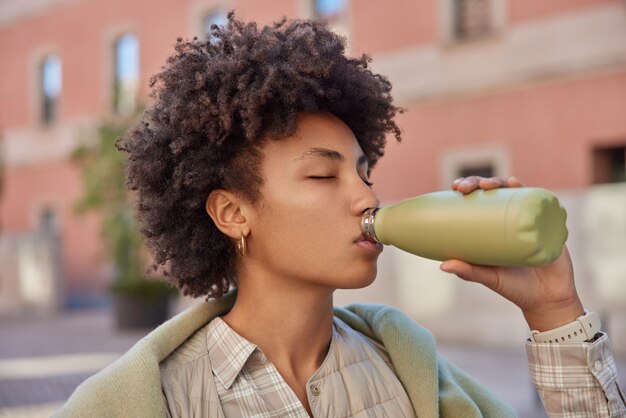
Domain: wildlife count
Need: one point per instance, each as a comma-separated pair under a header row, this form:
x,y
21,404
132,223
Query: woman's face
x,y
306,227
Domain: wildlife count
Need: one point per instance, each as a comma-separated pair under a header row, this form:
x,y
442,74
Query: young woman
x,y
251,169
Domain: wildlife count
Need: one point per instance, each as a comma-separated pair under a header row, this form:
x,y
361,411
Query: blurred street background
x,y
531,88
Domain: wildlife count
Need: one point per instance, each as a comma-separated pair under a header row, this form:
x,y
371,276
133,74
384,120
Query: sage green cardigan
x,y
131,386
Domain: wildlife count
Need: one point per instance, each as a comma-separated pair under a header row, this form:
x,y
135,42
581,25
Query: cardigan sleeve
x,y
576,379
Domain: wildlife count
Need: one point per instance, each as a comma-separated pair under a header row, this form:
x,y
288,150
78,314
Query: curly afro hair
x,y
214,104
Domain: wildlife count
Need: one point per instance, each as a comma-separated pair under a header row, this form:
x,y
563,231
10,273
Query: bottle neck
x,y
367,224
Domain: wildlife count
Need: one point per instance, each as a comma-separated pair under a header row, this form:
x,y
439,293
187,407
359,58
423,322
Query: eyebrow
x,y
329,154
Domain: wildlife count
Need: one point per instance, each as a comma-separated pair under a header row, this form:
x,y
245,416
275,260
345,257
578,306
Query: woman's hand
x,y
546,295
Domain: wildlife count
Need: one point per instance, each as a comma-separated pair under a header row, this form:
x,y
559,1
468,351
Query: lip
x,y
368,245
363,237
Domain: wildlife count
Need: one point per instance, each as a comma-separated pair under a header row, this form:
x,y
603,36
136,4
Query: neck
x,y
291,324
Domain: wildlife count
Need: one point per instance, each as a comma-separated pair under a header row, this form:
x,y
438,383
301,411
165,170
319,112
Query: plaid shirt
x,y
249,385
259,382
577,380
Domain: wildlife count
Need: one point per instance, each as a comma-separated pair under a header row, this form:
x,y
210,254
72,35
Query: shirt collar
x,y
228,351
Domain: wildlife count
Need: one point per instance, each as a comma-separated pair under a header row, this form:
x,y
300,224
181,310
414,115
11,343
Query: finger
x,y
456,182
484,275
514,182
491,183
468,184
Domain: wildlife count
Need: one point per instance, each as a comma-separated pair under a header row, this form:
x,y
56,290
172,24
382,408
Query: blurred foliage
x,y
105,191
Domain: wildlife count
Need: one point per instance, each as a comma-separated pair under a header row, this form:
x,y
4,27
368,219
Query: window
x,y
463,21
609,164
330,10
48,222
471,19
126,79
335,13
214,18
50,82
485,170
478,160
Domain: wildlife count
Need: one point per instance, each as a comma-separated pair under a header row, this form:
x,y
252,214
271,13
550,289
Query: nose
x,y
364,199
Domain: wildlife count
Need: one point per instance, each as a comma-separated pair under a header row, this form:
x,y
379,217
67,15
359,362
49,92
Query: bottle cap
x,y
367,224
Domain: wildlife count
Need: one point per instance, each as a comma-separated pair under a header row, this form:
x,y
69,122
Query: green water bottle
x,y
521,226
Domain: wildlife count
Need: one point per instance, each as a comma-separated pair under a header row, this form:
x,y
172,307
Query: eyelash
x,y
368,183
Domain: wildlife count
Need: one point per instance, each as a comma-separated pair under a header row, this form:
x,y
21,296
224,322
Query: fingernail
x,y
443,267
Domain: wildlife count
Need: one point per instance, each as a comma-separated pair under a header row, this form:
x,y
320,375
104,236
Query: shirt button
x,y
597,365
315,390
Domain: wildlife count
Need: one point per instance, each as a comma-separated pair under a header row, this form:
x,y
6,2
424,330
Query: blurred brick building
x,y
492,87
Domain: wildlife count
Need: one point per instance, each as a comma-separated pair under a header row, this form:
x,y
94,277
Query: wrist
x,y
552,317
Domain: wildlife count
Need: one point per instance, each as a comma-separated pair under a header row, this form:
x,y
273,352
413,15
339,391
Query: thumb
x,y
485,275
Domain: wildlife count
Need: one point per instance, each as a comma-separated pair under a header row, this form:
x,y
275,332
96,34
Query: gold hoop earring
x,y
241,245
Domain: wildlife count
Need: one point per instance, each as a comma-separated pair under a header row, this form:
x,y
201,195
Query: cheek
x,y
295,229
303,211
297,232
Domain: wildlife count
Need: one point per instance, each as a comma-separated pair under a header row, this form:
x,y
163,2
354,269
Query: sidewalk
x,y
42,360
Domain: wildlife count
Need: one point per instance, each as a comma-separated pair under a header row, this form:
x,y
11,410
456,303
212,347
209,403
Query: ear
x,y
227,211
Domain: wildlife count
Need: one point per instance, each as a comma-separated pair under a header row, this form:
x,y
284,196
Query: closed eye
x,y
368,183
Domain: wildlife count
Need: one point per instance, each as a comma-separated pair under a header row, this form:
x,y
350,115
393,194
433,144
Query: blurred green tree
x,y
102,167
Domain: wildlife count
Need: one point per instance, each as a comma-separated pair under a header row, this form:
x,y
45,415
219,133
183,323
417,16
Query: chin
x,y
359,281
